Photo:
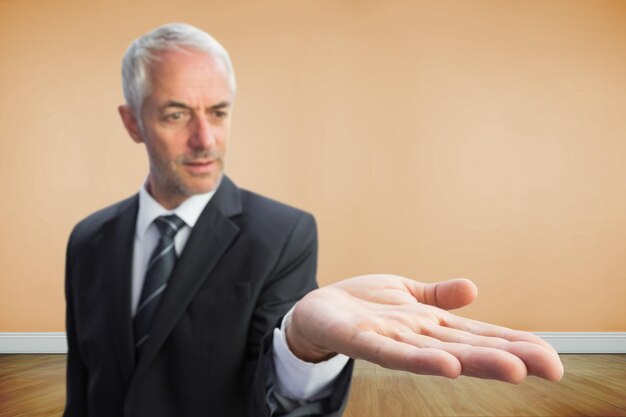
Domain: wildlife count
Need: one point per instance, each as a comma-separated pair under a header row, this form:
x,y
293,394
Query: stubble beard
x,y
171,177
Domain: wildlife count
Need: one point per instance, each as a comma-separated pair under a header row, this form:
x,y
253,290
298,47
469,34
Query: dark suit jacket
x,y
247,261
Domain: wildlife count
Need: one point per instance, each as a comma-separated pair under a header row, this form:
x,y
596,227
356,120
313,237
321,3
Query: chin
x,y
205,187
189,185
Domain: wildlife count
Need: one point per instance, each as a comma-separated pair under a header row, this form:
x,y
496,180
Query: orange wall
x,y
484,139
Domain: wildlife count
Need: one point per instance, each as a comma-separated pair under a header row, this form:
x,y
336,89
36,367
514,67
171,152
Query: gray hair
x,y
144,51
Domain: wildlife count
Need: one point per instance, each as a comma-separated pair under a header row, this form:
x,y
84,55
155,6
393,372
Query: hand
x,y
403,324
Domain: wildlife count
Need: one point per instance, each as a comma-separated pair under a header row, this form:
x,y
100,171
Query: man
x,y
179,298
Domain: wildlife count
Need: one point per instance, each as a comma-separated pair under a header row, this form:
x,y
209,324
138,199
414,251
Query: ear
x,y
130,123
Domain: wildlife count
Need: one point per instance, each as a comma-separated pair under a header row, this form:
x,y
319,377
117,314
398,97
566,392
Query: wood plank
x,y
594,385
32,385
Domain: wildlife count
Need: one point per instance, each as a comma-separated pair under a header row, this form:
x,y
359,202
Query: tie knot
x,y
169,225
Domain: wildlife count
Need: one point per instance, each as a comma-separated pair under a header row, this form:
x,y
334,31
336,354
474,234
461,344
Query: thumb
x,y
451,294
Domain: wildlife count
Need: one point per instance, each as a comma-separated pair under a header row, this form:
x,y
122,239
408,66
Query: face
x,y
185,125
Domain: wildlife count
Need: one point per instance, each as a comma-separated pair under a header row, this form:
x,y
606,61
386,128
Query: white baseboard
x,y
563,342
33,342
586,342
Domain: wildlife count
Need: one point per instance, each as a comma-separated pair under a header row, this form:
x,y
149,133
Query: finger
x,y
538,360
492,330
392,354
451,294
476,361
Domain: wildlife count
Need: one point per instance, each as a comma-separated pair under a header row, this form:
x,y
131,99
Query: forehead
x,y
189,76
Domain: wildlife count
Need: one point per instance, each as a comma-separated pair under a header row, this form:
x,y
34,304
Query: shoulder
x,y
268,213
90,227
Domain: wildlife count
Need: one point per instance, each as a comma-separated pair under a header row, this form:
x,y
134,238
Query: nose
x,y
202,135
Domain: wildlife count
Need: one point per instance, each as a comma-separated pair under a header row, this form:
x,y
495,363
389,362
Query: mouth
x,y
200,166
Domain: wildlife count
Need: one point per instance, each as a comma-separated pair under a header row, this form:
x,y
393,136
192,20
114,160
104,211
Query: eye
x,y
220,114
177,116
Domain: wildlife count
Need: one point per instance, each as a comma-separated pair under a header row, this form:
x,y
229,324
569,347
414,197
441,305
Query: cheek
x,y
161,155
168,148
221,144
222,138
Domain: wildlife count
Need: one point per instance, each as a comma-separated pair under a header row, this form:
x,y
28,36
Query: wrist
x,y
299,346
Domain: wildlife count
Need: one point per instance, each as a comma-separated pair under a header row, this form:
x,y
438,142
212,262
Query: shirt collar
x,y
149,209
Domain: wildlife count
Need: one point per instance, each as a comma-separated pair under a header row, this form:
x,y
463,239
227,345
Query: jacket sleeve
x,y
76,379
292,278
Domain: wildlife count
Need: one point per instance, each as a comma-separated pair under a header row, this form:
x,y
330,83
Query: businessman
x,y
195,297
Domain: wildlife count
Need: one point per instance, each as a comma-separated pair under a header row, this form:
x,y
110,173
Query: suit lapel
x,y
210,238
117,254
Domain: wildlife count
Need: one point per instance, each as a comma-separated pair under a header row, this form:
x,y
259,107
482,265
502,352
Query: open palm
x,y
403,324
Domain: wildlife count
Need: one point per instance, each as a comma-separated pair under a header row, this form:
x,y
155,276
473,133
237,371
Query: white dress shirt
x,y
295,378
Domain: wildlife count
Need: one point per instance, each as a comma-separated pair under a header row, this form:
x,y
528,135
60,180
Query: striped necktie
x,y
158,272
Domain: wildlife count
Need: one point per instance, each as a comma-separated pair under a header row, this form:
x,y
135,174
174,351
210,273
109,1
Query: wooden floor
x,y
594,385
32,385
